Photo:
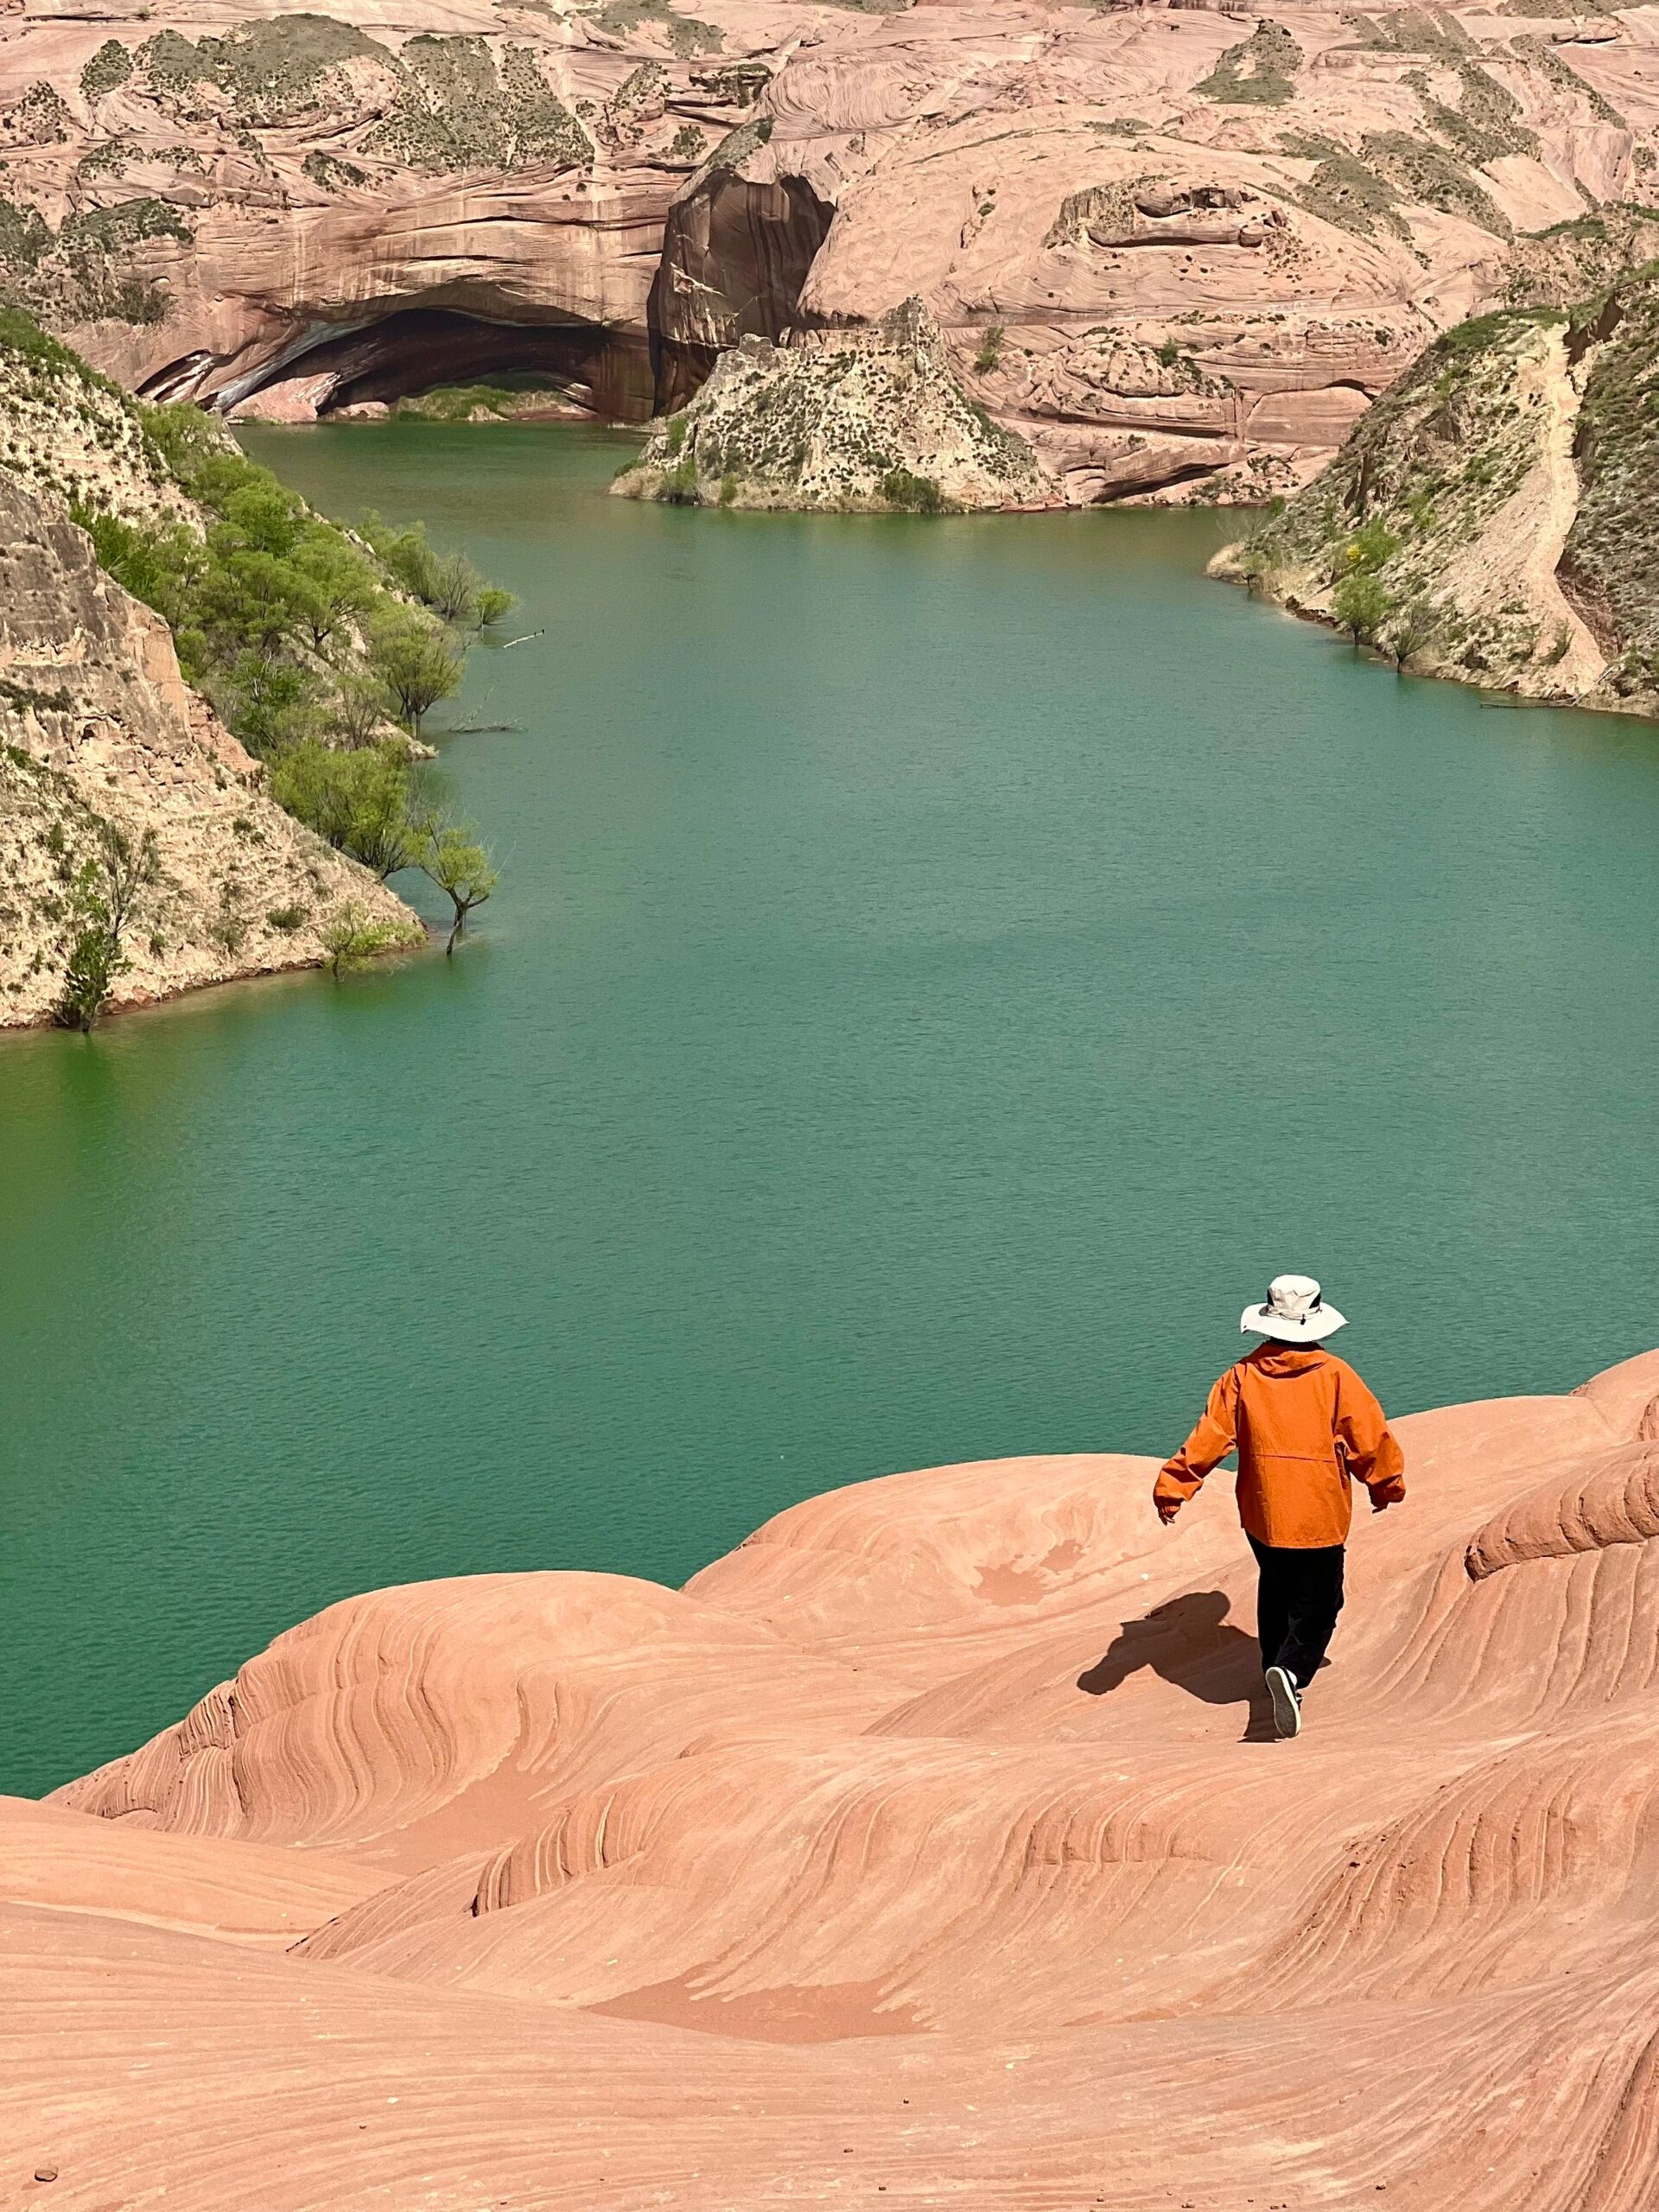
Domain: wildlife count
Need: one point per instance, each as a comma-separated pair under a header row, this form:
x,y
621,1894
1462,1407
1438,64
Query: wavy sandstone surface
x,y
929,1845
1166,244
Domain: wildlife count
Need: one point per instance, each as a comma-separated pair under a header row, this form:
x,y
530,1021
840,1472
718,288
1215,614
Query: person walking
x,y
1306,1428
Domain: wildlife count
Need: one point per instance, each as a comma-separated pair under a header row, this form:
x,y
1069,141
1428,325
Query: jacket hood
x,y
1288,1359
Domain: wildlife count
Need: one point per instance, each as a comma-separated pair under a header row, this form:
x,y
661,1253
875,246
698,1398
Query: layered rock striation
x,y
1492,518
929,1844
1180,250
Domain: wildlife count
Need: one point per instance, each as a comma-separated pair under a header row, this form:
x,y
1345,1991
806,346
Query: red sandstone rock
x,y
1167,252
925,1845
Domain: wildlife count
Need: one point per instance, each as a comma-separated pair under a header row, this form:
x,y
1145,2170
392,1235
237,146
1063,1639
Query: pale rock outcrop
x,y
846,420
1283,210
928,1809
96,729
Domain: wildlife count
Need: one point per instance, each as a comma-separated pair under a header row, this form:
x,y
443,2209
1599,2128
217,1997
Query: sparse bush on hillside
x,y
917,495
107,888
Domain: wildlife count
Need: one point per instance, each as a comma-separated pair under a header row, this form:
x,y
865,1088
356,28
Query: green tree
x,y
357,715
360,801
337,585
250,600
1409,630
460,867
270,704
162,567
1361,604
352,937
105,892
265,518
416,664
405,553
454,588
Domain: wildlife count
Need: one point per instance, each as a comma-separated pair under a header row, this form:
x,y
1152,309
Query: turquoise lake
x,y
940,970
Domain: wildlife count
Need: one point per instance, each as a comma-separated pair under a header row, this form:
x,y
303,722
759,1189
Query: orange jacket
x,y
1305,1426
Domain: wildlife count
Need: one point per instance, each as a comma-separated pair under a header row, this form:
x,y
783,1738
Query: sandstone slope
x,y
1173,247
928,1845
1493,519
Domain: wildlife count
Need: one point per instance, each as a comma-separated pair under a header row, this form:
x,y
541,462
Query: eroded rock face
x,y
928,1808
98,727
1292,209
1493,519
843,420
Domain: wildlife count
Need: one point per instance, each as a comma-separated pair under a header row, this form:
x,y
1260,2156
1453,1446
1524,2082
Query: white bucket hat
x,y
1295,1313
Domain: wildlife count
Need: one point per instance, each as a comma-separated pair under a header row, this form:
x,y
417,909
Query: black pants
x,y
1296,1605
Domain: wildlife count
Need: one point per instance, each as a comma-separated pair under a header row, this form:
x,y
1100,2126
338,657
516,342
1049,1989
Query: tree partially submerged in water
x,y
460,867
415,663
352,937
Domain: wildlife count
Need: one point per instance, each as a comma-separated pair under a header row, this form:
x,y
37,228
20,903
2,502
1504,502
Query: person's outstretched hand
x,y
1167,1508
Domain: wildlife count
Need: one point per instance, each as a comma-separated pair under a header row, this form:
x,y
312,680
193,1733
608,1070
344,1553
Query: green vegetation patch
x,y
332,172
38,118
740,85
1258,71
685,34
86,271
1428,173
109,68
1343,190
1610,562
274,71
455,112
1485,125
1413,30
735,147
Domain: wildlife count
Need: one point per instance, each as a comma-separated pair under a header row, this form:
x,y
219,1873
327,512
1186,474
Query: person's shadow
x,y
1189,1641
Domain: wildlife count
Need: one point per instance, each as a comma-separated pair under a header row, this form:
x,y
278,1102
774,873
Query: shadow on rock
x,y
1188,1641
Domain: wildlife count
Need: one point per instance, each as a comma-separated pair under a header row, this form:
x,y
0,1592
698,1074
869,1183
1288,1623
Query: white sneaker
x,y
1287,1705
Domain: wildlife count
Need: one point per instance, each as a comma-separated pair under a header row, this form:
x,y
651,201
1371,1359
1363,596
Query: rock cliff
x,y
867,419
103,742
99,732
1173,247
929,1844
1492,518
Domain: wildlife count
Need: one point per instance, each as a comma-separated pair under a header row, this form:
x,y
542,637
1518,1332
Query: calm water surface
x,y
939,971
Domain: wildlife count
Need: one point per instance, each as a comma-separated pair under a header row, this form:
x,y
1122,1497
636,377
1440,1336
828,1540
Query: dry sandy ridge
x,y
929,1845
1160,281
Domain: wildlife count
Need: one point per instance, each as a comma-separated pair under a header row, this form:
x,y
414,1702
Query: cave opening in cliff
x,y
605,372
